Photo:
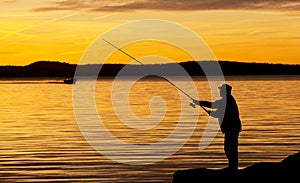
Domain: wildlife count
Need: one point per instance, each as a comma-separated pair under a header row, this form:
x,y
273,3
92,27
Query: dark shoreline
x,y
286,171
149,78
58,69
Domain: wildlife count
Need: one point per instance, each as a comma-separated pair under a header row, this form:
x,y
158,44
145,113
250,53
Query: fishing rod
x,y
191,104
123,51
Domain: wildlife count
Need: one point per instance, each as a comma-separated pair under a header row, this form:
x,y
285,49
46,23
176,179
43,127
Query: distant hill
x,y
62,69
39,69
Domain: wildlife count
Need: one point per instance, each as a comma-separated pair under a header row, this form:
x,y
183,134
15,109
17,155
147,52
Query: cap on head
x,y
226,86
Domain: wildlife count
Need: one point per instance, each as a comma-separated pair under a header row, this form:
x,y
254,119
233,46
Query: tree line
x,y
192,68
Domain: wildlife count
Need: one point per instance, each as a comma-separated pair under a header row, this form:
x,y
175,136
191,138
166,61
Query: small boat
x,y
69,80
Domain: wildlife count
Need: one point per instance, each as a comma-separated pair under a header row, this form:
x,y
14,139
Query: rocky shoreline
x,y
286,171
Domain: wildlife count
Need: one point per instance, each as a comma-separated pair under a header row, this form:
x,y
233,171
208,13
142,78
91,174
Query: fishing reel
x,y
192,105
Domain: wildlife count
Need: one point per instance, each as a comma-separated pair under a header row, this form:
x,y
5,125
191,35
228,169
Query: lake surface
x,y
41,140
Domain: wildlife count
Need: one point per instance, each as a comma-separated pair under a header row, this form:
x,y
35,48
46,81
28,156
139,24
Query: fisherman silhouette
x,y
226,110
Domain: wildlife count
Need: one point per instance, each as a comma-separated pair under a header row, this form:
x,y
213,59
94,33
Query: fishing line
x,y
191,104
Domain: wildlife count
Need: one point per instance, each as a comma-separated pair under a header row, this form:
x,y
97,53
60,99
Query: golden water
x,y
41,141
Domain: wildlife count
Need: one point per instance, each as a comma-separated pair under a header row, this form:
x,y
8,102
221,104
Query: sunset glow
x,y
149,90
62,30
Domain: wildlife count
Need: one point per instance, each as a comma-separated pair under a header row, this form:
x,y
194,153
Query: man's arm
x,y
203,103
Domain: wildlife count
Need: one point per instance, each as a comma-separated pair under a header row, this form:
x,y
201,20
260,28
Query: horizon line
x,y
63,62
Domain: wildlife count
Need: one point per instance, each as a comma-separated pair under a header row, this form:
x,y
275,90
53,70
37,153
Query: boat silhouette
x,y
70,80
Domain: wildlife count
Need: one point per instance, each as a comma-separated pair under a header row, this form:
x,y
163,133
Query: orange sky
x,y
61,30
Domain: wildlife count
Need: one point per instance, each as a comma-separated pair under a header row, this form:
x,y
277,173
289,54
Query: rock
x,y
291,165
286,171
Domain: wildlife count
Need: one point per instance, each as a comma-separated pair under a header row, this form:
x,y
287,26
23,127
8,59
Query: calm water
x,y
41,140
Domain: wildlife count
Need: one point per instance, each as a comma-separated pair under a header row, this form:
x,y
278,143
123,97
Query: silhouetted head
x,y
225,89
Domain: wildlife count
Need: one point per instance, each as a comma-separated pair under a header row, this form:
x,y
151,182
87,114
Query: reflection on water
x,y
41,141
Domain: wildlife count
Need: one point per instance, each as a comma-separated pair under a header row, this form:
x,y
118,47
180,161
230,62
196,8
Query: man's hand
x,y
204,103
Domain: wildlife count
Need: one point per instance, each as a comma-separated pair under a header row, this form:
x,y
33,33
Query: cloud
x,y
184,5
9,52
8,1
5,2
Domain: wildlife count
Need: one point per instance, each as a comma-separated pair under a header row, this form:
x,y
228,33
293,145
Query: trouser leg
x,y
231,149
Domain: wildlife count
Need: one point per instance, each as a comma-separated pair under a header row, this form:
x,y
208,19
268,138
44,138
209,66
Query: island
x,y
63,69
